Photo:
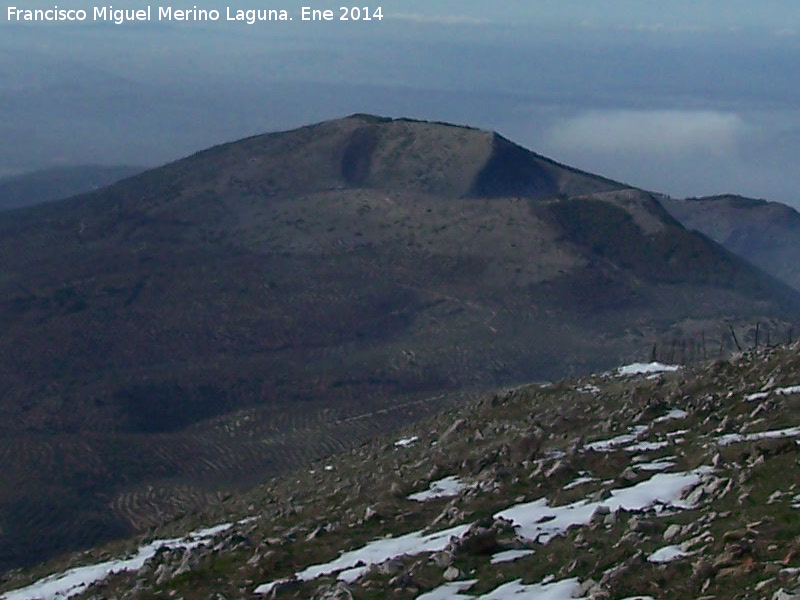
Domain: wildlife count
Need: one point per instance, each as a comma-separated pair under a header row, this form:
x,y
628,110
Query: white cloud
x,y
668,28
646,27
653,132
439,19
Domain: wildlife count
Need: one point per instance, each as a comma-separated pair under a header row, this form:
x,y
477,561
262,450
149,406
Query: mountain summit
x,y
261,303
399,155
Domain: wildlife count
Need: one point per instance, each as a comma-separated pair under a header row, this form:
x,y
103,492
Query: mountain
x,y
765,233
648,481
191,330
59,182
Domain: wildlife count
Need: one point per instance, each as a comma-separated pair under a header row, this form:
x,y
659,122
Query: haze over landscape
x,y
686,98
367,309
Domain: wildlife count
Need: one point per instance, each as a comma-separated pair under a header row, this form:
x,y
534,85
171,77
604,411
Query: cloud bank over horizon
x,y
683,99
683,152
657,132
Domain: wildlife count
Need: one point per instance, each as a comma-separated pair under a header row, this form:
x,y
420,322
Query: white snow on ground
x,y
676,433
675,413
515,590
351,565
558,590
666,554
646,369
784,391
444,488
535,520
656,465
590,389
733,438
540,522
449,591
646,446
625,438
509,556
579,481
75,581
406,442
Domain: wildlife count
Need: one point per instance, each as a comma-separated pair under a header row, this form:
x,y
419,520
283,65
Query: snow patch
x,y
539,522
675,413
733,438
449,591
76,581
646,446
444,488
579,481
756,396
676,433
646,369
353,564
786,391
565,589
656,465
589,389
625,438
509,556
406,442
667,554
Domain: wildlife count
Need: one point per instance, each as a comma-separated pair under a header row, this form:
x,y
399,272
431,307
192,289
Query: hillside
x,y
648,481
765,233
192,330
18,191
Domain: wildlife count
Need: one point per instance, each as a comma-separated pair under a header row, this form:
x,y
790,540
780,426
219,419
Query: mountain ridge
x,y
764,233
248,306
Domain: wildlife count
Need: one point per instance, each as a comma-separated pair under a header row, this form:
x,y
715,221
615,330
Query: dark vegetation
x,y
357,154
671,255
513,171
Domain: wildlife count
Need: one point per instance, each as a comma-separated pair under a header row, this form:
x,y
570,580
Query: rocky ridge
x,y
645,482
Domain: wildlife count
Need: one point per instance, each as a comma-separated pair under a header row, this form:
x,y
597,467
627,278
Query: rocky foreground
x,y
647,482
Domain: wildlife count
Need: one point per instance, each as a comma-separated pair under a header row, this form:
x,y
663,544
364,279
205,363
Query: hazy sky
x,y
675,14
684,97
